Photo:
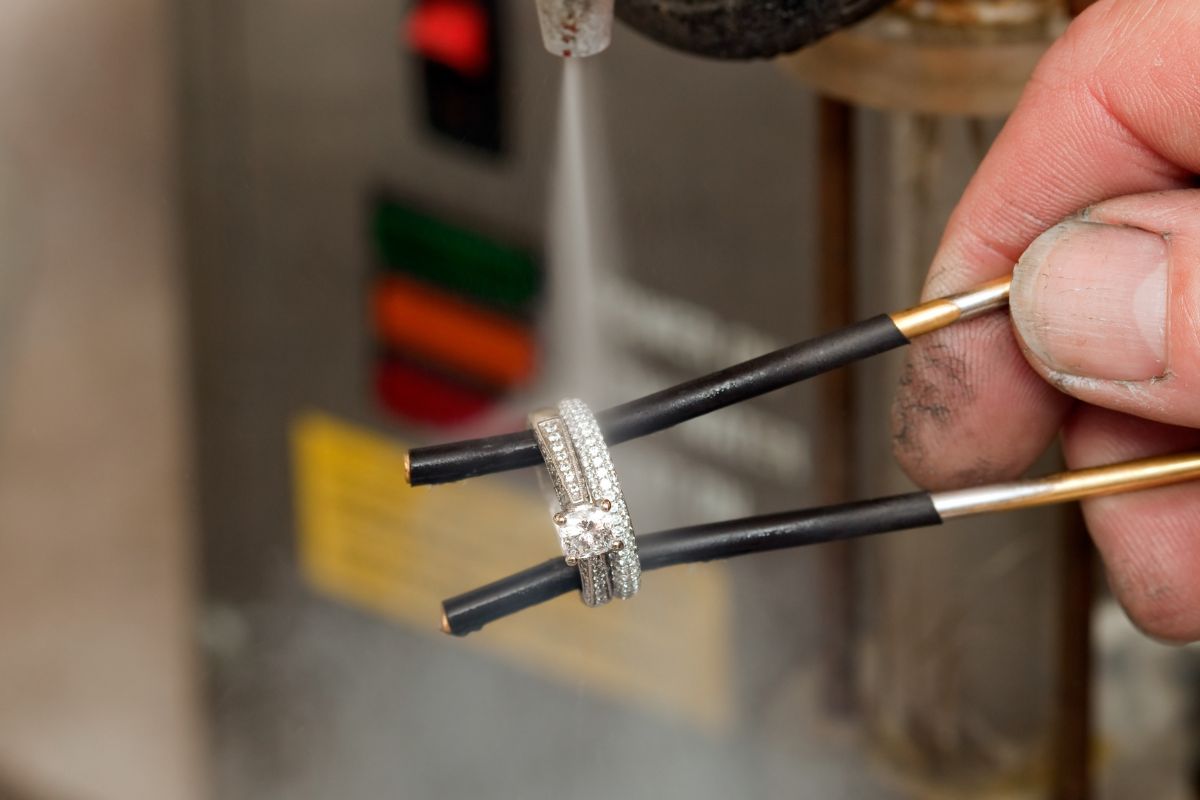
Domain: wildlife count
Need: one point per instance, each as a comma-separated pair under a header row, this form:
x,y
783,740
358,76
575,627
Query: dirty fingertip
x,y
969,410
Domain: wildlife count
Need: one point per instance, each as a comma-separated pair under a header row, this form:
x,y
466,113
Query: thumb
x,y
1107,306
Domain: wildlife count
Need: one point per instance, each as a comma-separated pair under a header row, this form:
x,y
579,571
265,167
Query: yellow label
x,y
369,539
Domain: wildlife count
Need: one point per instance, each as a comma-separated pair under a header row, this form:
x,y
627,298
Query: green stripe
x,y
456,259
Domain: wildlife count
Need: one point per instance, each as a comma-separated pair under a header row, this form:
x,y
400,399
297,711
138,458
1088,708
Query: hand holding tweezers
x,y
442,463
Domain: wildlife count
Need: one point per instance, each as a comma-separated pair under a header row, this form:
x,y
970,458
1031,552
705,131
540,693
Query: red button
x,y
418,395
451,32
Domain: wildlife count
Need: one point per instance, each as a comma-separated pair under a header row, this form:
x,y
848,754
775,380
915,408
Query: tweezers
x,y
460,460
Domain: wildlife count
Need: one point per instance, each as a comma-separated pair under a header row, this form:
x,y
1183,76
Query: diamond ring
x,y
592,522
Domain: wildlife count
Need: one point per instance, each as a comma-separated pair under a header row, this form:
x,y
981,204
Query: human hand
x,y
1104,340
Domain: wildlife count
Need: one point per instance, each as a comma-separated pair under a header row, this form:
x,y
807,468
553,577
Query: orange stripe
x,y
451,332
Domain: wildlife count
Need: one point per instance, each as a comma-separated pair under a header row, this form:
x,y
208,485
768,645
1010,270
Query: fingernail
x,y
1091,300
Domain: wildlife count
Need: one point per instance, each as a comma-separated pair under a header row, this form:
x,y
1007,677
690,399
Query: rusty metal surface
x,y
945,57
836,445
1071,764
957,652
979,13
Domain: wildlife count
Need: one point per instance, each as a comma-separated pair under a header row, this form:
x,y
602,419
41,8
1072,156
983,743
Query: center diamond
x,y
586,531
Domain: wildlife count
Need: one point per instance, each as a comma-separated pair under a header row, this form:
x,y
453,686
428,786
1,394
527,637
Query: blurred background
x,y
250,253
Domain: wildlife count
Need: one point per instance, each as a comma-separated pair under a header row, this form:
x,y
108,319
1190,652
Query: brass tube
x,y
937,314
1063,487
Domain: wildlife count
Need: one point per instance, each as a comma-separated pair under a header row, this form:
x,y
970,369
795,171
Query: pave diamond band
x,y
593,525
602,482
595,580
580,522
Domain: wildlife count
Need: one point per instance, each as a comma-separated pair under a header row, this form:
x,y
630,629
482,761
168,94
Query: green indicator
x,y
460,261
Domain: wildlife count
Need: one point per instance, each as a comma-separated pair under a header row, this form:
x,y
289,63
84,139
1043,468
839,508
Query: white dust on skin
x,y
581,241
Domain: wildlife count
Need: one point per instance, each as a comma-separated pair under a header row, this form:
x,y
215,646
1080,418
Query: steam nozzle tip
x,y
575,28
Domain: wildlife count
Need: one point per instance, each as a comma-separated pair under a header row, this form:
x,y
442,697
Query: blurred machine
x,y
378,248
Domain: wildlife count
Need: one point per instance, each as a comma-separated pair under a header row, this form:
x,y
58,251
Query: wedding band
x,y
602,481
581,521
592,522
